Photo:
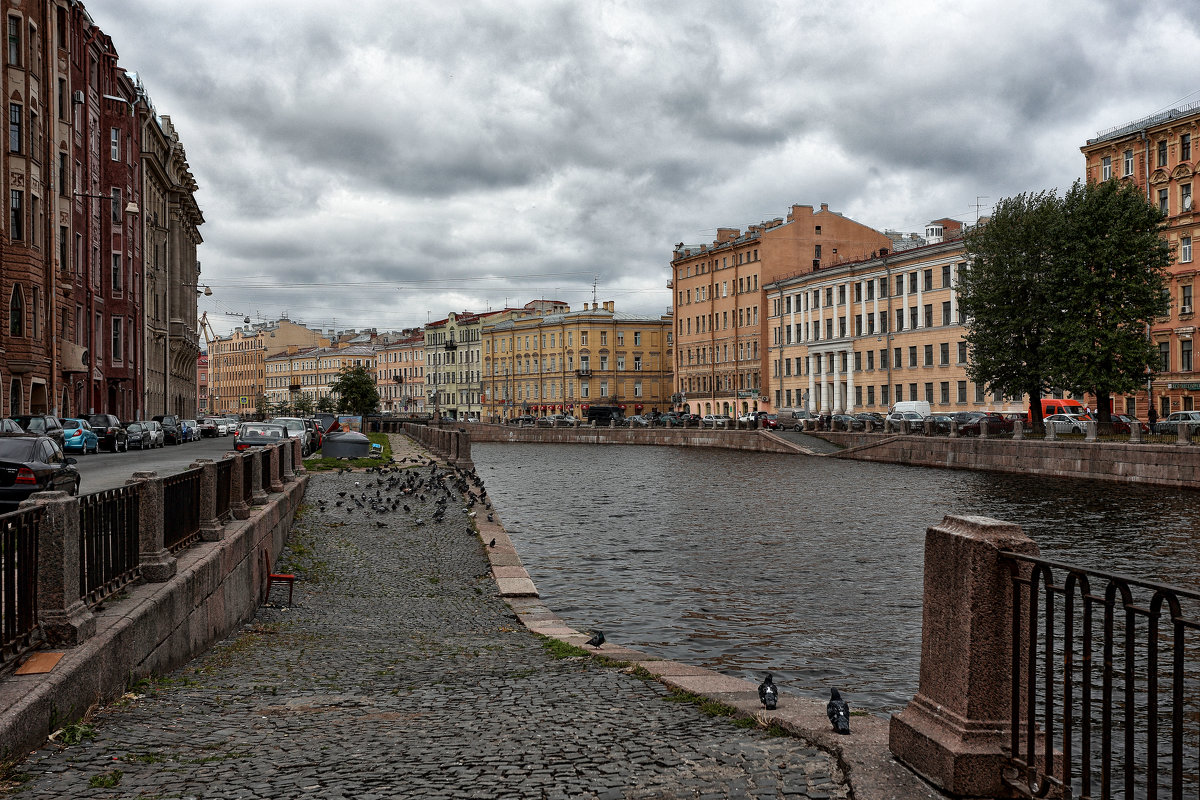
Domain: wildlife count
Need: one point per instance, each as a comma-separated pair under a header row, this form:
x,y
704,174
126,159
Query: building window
x,y
117,208
1164,356
1163,204
945,389
16,221
946,320
962,391
1105,168
1128,162
1185,355
114,146
14,127
14,41
116,273
1185,147
637,363
1186,299
928,315
118,339
944,354
962,352
16,312
1185,197
912,357
929,355
1185,249
1162,153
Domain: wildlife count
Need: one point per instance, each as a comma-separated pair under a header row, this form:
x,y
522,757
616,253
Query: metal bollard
x,y
1090,436
1018,430
983,427
1135,433
1050,436
953,429
1183,433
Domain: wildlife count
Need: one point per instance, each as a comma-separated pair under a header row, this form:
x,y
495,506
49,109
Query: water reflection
x,y
809,568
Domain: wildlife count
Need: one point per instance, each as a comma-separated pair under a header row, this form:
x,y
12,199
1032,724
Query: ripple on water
x,y
808,568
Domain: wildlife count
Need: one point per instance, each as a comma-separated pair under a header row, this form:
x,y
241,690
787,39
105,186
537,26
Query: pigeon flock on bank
x,y
392,489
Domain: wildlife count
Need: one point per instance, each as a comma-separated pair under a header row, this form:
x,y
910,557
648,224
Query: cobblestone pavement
x,y
398,672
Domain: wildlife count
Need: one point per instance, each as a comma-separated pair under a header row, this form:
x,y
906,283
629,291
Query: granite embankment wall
x,y
757,441
1154,464
154,627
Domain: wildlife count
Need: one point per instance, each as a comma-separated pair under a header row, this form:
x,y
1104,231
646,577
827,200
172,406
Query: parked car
x,y
769,421
110,431
716,421
637,421
172,434
79,436
43,424
523,420
193,430
1169,425
30,464
798,417
138,434
941,422
1066,423
207,426
296,429
914,419
1123,423
157,436
316,435
8,426
259,434
846,422
874,417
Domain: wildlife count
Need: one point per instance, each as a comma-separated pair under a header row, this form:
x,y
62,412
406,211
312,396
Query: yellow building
x,y
400,373
292,375
237,363
563,361
860,336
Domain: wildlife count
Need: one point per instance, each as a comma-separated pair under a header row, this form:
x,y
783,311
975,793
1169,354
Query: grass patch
x,y
560,649
710,708
320,463
76,732
106,780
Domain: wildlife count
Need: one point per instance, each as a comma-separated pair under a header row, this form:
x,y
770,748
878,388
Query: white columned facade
x,y
849,381
838,406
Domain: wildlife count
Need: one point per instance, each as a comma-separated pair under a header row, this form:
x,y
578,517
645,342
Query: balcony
x,y
585,372
294,387
450,345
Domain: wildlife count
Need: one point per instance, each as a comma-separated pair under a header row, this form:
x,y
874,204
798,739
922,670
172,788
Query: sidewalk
x,y
400,672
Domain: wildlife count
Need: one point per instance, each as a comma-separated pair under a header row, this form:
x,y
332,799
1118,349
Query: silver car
x,y
1176,418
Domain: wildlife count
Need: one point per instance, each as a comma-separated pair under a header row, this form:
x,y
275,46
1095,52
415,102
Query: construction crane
x,y
209,337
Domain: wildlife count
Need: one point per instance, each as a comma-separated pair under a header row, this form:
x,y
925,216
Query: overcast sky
x,y
385,167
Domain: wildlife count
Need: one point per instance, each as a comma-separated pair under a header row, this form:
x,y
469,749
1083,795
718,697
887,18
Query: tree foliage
x,y
303,405
355,390
326,405
1060,291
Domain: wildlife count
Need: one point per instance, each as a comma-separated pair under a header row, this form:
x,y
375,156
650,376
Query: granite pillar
x,y
64,617
237,479
955,730
157,563
283,456
258,465
211,529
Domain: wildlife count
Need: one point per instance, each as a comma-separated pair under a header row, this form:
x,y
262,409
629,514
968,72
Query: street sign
x,y
245,400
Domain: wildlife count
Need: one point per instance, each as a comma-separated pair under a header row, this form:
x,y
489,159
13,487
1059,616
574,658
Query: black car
x,y
30,464
8,426
845,422
259,434
109,431
138,435
172,433
43,424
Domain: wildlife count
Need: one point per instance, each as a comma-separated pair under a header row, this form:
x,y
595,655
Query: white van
x,y
919,406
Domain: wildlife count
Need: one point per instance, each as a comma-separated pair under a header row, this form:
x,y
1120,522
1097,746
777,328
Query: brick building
x,y
1158,154
719,302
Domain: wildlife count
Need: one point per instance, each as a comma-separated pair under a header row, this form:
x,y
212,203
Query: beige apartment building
x,y
400,373
292,375
1158,154
862,335
721,352
546,360
237,363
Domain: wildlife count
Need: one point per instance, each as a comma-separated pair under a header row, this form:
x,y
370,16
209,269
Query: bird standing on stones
x,y
492,543
768,694
596,640
839,712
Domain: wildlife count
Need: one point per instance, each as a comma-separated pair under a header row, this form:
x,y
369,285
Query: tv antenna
x,y
978,205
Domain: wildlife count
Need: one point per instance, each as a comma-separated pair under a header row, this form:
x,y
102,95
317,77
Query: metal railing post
x,y
211,529
63,614
158,565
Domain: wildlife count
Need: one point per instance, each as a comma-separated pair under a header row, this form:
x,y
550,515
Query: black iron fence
x,y
1105,683
108,542
264,457
248,478
224,488
19,629
181,510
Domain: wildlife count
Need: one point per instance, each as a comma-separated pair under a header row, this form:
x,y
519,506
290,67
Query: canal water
x,y
805,567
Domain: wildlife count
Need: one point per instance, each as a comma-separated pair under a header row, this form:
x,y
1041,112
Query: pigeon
x,y
838,711
492,543
768,694
490,518
596,640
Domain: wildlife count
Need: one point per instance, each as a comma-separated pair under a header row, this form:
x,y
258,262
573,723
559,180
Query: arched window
x,y
16,312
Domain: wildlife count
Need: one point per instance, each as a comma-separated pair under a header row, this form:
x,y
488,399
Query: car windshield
x,y
99,419
32,424
17,449
250,429
71,424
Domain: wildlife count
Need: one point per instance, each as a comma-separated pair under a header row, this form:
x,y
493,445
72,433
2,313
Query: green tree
x,y
303,405
1113,264
1060,291
355,390
1006,298
326,405
262,407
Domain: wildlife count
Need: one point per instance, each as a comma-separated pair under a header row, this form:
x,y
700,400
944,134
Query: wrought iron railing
x,y
108,542
247,477
224,489
264,456
1106,688
19,629
181,510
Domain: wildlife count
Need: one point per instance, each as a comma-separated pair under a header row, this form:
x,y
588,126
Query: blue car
x,y
78,435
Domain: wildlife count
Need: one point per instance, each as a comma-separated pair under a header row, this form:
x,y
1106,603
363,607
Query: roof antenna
x,y
595,280
979,205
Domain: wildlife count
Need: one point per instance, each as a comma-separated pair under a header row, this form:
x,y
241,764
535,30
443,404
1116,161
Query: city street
x,y
105,470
